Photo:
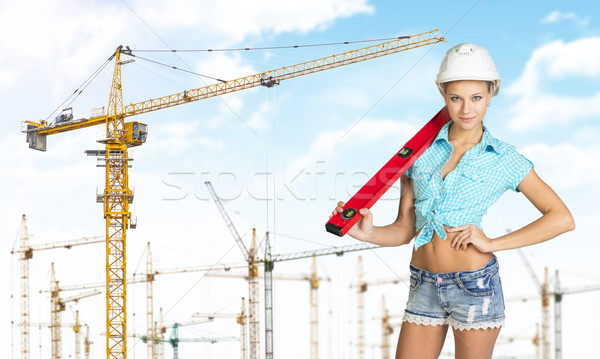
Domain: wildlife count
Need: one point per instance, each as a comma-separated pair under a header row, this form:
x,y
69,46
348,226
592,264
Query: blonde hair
x,y
489,83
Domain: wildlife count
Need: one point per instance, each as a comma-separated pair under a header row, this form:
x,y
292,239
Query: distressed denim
x,y
464,300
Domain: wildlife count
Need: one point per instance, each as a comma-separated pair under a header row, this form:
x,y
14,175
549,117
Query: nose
x,y
466,106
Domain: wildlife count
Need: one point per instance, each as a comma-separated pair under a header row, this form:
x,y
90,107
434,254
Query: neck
x,y
472,136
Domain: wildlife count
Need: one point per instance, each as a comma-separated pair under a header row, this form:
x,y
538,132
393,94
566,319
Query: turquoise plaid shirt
x,y
483,174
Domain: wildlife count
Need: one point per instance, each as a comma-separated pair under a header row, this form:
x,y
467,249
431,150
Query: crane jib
x,y
370,193
37,131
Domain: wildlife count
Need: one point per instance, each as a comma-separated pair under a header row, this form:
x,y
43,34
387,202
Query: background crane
x,y
26,251
240,319
386,330
76,326
546,296
362,285
269,262
121,135
57,306
174,338
558,294
251,259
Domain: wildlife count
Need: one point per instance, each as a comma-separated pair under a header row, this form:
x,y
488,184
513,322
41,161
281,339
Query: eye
x,y
477,98
454,98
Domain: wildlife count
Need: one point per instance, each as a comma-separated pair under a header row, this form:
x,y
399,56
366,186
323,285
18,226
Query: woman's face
x,y
467,102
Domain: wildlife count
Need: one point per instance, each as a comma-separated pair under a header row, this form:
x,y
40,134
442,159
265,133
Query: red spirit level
x,y
387,175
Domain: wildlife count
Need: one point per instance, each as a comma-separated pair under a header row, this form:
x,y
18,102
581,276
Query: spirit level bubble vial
x,y
387,175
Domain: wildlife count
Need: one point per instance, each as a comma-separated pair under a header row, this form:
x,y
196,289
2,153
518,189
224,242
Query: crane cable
x,y
176,68
279,47
83,86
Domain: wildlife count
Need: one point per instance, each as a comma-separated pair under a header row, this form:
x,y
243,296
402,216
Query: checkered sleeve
x,y
408,172
516,167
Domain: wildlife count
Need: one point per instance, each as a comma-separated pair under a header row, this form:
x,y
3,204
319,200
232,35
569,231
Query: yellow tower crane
x,y
57,306
386,330
87,343
76,330
269,261
362,285
542,342
314,281
121,135
26,251
240,318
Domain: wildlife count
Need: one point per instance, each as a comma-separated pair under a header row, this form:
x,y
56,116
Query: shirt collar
x,y
487,140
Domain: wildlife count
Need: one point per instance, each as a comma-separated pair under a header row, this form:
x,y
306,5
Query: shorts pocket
x,y
481,286
415,281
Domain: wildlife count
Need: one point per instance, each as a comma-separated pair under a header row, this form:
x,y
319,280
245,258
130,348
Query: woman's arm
x,y
555,220
400,232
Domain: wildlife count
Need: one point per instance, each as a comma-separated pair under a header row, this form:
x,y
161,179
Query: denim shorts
x,y
464,300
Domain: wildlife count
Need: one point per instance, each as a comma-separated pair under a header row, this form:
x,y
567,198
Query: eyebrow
x,y
475,94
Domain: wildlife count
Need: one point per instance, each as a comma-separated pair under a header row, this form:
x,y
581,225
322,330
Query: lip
x,y
467,119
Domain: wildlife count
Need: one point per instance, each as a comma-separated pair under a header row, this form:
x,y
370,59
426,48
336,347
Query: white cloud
x,y
59,44
225,67
180,137
7,78
555,61
59,39
233,20
259,119
566,166
544,110
365,132
558,16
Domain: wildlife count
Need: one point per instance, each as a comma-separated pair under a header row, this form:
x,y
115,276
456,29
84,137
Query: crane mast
x,y
314,310
386,330
268,300
116,198
77,331
360,299
87,343
26,254
241,320
149,304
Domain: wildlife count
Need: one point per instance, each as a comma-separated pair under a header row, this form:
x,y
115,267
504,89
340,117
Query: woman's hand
x,y
363,229
470,234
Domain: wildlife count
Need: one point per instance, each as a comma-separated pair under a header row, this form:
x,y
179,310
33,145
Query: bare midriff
x,y
437,256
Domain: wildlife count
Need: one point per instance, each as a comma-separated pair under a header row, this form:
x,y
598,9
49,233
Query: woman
x,y
454,273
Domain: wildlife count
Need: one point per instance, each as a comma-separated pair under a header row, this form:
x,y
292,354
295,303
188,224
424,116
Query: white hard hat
x,y
468,62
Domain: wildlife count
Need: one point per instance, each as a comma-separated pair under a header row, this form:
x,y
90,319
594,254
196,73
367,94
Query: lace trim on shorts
x,y
485,325
420,320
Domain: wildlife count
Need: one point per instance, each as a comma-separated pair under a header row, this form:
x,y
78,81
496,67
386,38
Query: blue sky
x,y
319,137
